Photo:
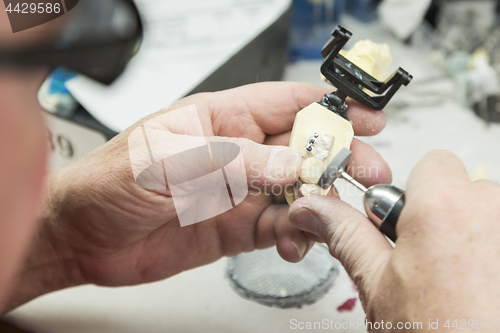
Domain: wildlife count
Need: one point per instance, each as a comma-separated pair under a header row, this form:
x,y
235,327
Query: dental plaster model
x,y
315,150
322,133
373,58
319,133
334,133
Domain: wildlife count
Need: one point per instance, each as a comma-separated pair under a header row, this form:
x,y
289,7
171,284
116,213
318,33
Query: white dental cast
x,y
318,145
312,169
309,189
315,150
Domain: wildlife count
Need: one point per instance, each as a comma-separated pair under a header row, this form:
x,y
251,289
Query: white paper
x,y
185,42
403,17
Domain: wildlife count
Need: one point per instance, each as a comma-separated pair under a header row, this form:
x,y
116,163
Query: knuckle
x,y
243,142
339,237
431,201
486,191
440,153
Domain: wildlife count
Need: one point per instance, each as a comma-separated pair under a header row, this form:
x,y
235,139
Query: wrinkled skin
x,y
99,227
444,266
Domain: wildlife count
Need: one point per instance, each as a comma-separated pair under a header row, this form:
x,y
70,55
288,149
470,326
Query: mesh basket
x,y
264,277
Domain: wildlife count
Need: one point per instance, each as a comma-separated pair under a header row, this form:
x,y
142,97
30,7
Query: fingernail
x,y
282,162
300,245
306,220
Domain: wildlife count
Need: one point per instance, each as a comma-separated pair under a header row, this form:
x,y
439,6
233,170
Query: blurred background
x,y
451,47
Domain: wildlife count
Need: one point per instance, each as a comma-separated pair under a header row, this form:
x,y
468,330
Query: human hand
x,y
444,264
100,227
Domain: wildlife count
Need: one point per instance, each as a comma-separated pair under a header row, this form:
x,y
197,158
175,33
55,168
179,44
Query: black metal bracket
x,y
350,80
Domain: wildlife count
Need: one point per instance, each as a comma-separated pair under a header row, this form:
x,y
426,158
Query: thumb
x,y
435,168
171,158
351,237
267,167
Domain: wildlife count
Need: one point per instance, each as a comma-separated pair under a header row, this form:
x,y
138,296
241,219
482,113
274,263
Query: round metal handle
x,y
383,205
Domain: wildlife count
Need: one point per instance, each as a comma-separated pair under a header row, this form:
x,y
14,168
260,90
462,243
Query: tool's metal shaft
x,y
351,180
383,203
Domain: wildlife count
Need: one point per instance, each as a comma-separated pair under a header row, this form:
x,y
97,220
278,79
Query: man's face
x,y
23,149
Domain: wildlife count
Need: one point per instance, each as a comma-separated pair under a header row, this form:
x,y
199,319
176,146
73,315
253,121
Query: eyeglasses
x,y
97,38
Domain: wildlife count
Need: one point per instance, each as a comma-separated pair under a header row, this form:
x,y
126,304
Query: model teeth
x,y
318,134
309,189
315,150
317,145
312,169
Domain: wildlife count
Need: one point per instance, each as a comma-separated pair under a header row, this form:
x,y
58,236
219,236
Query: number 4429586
x,y
462,324
32,8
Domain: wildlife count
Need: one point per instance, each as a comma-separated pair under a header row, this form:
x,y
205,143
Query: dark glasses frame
x,y
102,59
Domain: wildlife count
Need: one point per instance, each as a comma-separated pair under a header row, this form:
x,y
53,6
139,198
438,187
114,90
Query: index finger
x,y
437,166
273,106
